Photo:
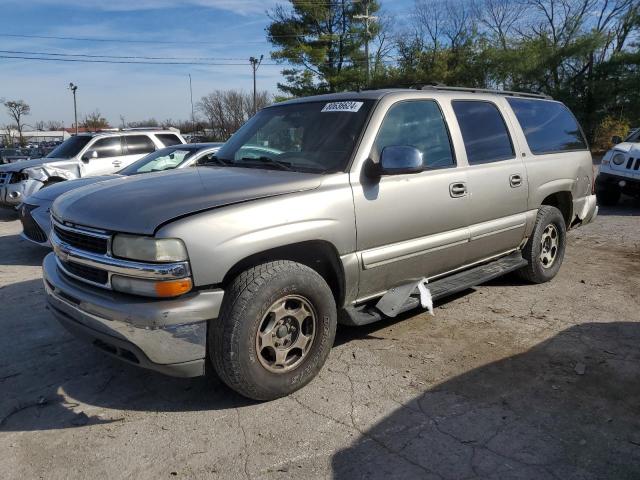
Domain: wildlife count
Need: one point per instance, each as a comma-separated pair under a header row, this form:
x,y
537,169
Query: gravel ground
x,y
506,381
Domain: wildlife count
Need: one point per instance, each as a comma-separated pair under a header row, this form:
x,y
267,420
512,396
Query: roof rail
x,y
484,90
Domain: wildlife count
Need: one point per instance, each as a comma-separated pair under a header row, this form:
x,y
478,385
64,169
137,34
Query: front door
x,y
413,225
497,180
100,157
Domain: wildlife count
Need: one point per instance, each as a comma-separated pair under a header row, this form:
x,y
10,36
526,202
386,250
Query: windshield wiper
x,y
270,161
217,161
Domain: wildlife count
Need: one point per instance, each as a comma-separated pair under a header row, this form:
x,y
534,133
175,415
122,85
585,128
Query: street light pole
x,y
255,63
73,89
193,116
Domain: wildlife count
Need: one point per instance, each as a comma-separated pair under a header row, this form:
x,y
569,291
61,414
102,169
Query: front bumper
x,y
629,184
169,336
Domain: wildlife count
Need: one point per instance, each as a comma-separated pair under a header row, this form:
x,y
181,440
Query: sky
x,y
211,29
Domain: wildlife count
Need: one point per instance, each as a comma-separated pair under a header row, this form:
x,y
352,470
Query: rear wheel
x,y
545,249
275,331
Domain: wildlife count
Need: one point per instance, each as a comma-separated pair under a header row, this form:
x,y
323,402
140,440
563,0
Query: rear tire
x,y
545,249
275,330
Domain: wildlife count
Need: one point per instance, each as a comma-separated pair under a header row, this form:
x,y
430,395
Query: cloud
x,y
240,7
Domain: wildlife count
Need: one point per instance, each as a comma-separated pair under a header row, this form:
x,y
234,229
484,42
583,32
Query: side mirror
x,y
399,160
89,155
616,139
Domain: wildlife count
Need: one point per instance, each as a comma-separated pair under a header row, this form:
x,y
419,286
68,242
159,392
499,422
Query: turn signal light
x,y
173,288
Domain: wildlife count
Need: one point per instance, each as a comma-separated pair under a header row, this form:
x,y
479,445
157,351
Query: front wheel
x,y
545,249
276,328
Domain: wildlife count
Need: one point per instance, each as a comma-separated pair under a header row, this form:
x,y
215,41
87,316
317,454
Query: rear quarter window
x,y
548,126
168,139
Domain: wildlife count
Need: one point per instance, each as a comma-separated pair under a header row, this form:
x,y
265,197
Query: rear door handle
x,y
515,180
458,189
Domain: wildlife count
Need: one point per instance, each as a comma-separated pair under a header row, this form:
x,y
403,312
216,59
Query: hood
x,y
140,204
21,165
627,147
54,191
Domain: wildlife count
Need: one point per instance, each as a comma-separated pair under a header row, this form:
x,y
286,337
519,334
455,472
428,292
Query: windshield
x,y
70,147
164,159
307,137
634,137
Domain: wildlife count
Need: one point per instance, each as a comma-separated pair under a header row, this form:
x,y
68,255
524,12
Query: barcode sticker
x,y
342,107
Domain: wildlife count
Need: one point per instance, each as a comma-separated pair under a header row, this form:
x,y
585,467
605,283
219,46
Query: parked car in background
x,y
319,209
12,155
83,155
620,170
34,211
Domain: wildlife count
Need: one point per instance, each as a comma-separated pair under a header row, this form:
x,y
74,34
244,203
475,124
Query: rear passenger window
x,y
417,124
548,126
137,144
168,139
484,132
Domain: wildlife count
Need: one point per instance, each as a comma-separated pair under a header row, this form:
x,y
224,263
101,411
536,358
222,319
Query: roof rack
x,y
483,90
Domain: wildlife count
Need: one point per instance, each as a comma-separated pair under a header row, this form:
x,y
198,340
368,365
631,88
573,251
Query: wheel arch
x,y
563,201
318,255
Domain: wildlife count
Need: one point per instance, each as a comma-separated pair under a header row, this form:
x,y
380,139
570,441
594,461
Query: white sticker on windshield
x,y
342,107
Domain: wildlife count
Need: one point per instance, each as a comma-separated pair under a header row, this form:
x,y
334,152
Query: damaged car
x,y
83,155
342,208
34,211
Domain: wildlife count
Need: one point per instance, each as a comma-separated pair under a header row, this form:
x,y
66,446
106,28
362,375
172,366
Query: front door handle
x,y
458,189
116,164
515,180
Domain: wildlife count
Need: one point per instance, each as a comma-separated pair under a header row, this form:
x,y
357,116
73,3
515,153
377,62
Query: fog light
x,y
622,183
14,195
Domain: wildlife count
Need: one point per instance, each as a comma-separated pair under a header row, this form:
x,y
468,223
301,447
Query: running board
x,y
455,283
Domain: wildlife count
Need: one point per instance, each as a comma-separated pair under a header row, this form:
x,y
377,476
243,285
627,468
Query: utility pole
x,y
73,89
367,22
255,64
193,116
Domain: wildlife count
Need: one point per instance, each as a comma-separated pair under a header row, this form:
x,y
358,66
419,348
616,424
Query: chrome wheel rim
x,y
286,334
549,244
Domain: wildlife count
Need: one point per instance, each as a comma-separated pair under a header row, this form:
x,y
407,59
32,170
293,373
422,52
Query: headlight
x,y
148,249
151,288
618,158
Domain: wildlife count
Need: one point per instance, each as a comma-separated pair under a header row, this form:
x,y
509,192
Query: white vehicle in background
x,y
83,155
34,211
620,170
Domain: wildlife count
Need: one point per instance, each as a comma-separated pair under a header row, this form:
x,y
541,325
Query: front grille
x,y
5,177
90,274
81,241
29,226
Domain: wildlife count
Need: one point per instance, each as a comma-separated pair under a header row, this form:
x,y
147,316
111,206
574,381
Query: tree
x,y
95,121
151,122
226,111
54,125
18,109
324,43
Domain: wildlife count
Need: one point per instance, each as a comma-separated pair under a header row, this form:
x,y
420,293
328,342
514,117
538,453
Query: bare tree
x,y
54,125
500,17
95,121
18,109
227,110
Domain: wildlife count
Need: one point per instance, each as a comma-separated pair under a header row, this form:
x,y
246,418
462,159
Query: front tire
x,y
275,330
545,249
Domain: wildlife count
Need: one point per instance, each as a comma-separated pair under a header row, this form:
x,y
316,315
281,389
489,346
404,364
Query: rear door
x,y
414,225
497,179
137,146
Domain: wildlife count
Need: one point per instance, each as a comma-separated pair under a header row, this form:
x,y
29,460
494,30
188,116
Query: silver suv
x,y
317,211
83,155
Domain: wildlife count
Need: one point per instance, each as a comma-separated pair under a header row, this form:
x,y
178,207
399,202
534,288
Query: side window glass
x,y
168,139
484,132
107,147
139,144
548,126
418,124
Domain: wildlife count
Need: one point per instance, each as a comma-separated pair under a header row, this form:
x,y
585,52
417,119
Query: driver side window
x,y
107,147
418,124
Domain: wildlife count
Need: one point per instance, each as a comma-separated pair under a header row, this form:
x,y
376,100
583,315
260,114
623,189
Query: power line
x,y
127,57
130,62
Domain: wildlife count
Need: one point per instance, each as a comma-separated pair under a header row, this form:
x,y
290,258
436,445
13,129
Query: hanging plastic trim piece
x,y
403,298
